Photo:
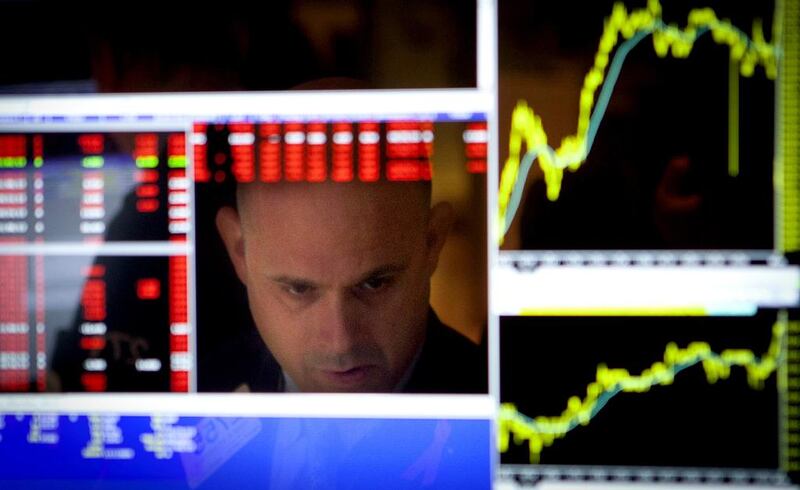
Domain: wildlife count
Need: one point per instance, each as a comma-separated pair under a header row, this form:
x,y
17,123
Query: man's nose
x,y
339,323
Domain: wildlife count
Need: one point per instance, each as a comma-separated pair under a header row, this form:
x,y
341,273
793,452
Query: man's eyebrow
x,y
376,272
292,280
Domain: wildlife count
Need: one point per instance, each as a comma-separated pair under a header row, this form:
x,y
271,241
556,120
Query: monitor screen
x,y
121,279
118,276
646,273
579,269
253,441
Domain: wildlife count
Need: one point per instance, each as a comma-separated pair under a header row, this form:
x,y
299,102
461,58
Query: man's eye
x,y
297,289
375,283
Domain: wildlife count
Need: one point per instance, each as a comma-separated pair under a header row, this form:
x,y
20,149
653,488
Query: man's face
x,y
338,277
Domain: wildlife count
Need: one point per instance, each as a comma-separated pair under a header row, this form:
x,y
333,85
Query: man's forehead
x,y
335,208
332,232
330,253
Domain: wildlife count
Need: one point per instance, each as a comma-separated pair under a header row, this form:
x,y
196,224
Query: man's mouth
x,y
350,377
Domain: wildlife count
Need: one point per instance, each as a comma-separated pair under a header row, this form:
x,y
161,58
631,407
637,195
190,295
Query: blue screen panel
x,y
169,452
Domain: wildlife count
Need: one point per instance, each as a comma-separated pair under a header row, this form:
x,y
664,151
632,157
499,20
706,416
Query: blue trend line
x,y
596,118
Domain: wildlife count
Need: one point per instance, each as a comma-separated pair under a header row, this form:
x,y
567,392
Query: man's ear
x,y
440,221
229,226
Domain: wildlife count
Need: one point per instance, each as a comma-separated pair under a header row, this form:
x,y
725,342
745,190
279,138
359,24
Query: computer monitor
x,y
626,250
118,282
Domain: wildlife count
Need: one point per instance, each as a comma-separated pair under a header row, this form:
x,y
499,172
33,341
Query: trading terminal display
x,y
229,349
647,199
647,193
94,246
95,289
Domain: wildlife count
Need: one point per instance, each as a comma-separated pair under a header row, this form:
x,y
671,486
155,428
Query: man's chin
x,y
362,379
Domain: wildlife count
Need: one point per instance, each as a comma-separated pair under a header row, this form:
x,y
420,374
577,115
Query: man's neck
x,y
289,386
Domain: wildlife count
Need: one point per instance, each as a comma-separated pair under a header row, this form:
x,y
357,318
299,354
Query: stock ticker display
x,y
339,151
94,272
94,226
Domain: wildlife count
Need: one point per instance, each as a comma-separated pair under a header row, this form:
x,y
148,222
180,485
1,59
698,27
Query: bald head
x,y
407,195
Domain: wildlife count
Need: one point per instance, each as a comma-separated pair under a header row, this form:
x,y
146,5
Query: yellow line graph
x,y
541,432
668,39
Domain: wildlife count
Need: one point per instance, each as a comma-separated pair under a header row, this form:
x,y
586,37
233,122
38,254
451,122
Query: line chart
x,y
542,431
746,53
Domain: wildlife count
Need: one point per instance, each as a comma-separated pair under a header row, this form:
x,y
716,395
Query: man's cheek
x,y
406,301
274,324
270,308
